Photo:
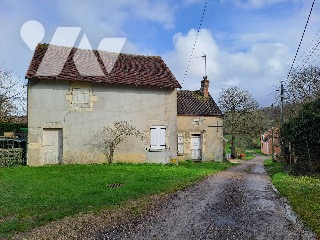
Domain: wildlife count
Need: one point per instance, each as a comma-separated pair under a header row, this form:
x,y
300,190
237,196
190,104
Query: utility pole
x,y
283,148
272,128
282,100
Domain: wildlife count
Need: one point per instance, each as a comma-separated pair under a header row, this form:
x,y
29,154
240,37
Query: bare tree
x,y
12,95
239,107
110,136
302,86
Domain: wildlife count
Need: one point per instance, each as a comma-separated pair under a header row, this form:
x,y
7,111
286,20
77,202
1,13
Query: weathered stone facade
x,y
66,111
211,137
49,108
200,126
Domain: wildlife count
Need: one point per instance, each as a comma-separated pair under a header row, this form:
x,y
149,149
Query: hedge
x,y
303,133
11,127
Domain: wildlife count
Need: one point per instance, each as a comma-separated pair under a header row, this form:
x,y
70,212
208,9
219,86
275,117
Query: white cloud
x,y
252,47
255,69
97,19
111,17
178,59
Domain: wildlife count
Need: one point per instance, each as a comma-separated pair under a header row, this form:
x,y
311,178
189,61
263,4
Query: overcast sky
x,y
248,43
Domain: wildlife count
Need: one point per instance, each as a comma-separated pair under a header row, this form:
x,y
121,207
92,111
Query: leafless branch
x,y
107,139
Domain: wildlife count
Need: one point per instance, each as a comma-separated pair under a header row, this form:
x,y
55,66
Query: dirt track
x,y
239,203
235,204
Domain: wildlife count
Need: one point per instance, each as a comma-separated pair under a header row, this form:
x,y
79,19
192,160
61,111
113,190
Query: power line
x,y
201,20
265,96
313,39
309,57
301,39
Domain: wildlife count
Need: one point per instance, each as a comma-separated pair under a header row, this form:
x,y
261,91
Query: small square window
x,y
81,97
196,122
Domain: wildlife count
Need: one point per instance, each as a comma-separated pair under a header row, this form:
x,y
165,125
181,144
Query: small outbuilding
x,y
200,125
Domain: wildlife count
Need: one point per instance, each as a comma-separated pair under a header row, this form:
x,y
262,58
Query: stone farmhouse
x,y
73,93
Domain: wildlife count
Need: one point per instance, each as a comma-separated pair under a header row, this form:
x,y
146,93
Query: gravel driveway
x,y
238,203
235,204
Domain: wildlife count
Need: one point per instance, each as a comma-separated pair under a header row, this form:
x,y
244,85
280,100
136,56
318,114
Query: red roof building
x,y
270,140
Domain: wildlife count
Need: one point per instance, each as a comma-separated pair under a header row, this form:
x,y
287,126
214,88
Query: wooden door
x,y
52,146
196,147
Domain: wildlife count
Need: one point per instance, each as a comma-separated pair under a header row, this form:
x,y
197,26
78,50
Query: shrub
x,y
303,134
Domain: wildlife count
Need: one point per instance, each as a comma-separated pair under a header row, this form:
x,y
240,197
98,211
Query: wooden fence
x,y
11,157
12,152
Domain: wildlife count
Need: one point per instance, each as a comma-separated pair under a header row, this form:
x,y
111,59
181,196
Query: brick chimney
x,y
205,86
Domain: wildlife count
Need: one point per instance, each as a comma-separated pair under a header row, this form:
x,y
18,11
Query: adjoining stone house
x,y
267,139
200,125
66,108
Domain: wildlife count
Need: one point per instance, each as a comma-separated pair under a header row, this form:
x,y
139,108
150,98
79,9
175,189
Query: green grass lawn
x,y
33,196
302,192
227,147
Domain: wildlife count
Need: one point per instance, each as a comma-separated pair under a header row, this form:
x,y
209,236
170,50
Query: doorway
x,y
52,146
196,147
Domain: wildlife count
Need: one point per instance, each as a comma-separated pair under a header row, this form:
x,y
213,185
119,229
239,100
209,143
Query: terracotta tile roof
x,y
194,103
128,69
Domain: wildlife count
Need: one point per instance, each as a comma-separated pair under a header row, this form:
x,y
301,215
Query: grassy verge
x,y
251,153
227,146
33,196
302,192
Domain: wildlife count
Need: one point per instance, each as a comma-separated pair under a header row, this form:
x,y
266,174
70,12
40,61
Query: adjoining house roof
x,y
194,103
128,69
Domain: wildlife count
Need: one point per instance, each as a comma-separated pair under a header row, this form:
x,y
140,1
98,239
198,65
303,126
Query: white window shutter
x,y
84,98
154,138
81,97
162,137
180,144
158,137
75,95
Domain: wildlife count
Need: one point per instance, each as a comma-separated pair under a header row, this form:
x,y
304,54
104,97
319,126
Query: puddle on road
x,y
258,170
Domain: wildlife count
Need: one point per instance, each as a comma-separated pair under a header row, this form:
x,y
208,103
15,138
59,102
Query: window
x,y
180,144
81,97
158,137
196,122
